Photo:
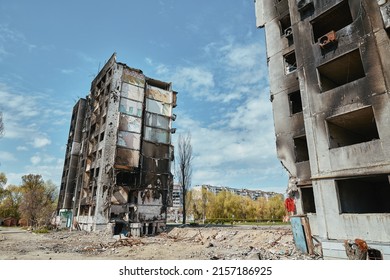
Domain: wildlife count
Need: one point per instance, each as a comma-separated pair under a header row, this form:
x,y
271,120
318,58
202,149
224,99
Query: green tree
x,y
3,181
38,200
276,209
9,204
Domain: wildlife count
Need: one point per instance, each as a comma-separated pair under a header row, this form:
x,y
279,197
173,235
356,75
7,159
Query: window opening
x,y
295,102
364,194
308,203
352,128
340,71
285,24
301,150
290,62
332,20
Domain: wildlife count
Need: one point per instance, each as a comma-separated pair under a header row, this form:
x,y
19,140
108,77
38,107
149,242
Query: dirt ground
x,y
176,243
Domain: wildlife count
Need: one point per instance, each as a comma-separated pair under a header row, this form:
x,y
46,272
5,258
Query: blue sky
x,y
210,50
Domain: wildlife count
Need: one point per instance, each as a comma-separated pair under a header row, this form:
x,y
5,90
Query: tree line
x,y
226,206
33,202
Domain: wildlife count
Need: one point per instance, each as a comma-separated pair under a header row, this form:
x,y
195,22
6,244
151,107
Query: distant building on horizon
x,y
117,169
253,194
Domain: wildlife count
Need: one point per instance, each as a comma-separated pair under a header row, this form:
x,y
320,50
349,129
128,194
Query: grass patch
x,y
41,230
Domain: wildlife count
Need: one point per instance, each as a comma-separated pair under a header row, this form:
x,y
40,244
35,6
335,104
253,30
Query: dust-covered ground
x,y
176,243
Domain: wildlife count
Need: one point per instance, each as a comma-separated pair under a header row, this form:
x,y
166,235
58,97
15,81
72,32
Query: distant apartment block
x,y
253,194
329,72
117,169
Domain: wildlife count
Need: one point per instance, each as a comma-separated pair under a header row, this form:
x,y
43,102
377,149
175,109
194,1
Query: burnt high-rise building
x,y
117,169
329,72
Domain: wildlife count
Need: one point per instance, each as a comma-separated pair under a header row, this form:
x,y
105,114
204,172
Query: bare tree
x,y
184,171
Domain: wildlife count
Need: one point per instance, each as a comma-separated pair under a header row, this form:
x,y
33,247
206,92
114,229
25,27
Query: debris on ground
x,y
198,243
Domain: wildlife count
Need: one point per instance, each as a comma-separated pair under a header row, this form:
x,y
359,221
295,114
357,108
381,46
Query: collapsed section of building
x,y
117,170
329,73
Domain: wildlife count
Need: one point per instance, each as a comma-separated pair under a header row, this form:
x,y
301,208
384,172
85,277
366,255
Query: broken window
x,y
126,179
285,25
108,88
340,71
333,20
290,62
308,203
300,148
295,102
364,194
352,128
93,128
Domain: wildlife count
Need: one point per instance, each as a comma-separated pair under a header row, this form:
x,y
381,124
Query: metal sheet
x,y
158,107
156,135
157,121
159,166
129,123
298,234
126,159
159,94
130,107
132,92
129,140
155,150
133,77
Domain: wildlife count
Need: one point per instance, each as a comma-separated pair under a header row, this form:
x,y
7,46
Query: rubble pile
x,y
197,243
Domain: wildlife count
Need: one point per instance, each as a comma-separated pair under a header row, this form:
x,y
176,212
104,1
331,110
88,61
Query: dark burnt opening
x,y
150,228
333,20
285,24
124,178
340,71
295,102
364,194
308,203
300,148
355,127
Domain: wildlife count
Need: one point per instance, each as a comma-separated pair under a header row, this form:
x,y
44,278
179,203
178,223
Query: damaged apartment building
x,y
329,73
117,170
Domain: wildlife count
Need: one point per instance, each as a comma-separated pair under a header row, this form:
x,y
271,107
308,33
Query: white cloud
x,y
67,71
149,60
7,156
21,148
50,169
35,159
41,141
195,80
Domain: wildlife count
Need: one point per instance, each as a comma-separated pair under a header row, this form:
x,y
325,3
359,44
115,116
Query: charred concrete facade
x,y
329,72
117,169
